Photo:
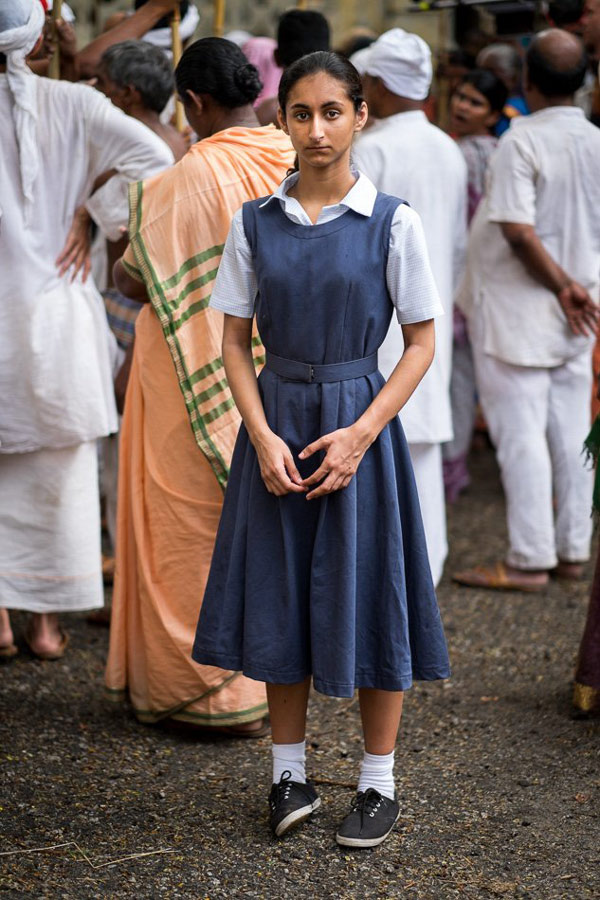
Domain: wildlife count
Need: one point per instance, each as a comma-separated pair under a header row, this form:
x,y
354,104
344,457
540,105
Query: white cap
x,y
402,61
360,58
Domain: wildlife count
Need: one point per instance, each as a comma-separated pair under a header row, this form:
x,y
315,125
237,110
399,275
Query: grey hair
x,y
144,67
505,58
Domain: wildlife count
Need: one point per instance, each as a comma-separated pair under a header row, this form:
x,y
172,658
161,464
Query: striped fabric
x,y
178,225
121,313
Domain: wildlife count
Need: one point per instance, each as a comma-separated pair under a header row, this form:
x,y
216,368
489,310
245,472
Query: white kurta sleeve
x,y
409,277
117,142
511,191
235,287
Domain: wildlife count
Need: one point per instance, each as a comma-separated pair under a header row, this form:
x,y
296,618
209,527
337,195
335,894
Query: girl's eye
x,y
301,116
332,113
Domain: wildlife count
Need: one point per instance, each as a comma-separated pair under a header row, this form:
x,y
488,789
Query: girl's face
x,y
470,112
321,120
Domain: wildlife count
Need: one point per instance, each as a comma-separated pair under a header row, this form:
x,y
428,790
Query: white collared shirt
x,y
408,273
545,173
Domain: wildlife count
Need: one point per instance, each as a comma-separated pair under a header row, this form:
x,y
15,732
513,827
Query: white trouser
x,y
427,465
538,420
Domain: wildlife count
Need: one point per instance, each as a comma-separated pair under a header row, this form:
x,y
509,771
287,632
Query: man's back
x,y
408,157
546,174
55,365
78,141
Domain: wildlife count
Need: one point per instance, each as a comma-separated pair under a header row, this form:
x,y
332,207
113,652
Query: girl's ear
x,y
281,120
362,115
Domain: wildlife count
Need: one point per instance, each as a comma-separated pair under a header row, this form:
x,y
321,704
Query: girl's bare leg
x,y
287,709
380,712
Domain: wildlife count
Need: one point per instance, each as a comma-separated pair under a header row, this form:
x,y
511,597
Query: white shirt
x,y
55,345
408,274
545,173
408,157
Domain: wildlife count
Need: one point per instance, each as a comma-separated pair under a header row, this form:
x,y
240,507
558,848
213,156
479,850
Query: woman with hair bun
x,y
180,421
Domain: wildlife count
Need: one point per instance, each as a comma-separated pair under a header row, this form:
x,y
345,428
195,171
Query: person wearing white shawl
x,y
405,155
57,139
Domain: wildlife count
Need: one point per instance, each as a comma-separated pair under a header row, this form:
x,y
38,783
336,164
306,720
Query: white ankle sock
x,y
289,758
377,772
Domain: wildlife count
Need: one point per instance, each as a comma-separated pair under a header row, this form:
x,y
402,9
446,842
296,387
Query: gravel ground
x,y
499,786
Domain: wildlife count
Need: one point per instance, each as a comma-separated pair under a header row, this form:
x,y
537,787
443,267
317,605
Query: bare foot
x,y
570,571
44,636
6,633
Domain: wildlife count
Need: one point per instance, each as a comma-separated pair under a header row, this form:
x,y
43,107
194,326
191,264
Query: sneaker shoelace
x,y
368,803
284,786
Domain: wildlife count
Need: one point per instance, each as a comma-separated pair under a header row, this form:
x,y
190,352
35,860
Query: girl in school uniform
x,y
320,566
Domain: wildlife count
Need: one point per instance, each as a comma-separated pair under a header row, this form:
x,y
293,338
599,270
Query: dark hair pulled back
x,y
217,67
487,83
331,64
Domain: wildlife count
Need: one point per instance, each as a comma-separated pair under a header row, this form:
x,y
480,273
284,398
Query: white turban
x,y
21,24
66,13
161,37
402,61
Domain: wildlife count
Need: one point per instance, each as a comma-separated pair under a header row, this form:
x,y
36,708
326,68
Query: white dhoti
x,y
427,465
538,419
50,557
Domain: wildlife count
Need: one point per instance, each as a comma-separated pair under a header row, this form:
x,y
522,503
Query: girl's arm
x,y
346,447
276,462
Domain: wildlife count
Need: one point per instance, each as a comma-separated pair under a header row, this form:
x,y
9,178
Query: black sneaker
x,y
291,803
370,821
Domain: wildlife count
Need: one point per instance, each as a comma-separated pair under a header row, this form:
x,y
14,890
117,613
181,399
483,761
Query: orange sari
x,y
178,432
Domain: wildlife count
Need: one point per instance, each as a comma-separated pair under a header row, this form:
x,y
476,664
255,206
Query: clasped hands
x,y
344,450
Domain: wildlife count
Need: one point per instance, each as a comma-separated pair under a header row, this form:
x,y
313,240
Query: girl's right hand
x,y
277,466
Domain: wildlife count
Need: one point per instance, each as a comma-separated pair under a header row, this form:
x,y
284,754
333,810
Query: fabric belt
x,y
299,371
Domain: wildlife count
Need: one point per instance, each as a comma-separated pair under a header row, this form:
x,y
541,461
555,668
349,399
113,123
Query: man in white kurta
x,y
404,155
531,286
57,138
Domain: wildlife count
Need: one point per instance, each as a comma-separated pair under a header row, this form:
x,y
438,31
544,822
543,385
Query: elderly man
x,y
532,284
57,140
404,155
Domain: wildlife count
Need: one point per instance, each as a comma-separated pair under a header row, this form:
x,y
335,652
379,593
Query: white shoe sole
x,y
296,817
365,842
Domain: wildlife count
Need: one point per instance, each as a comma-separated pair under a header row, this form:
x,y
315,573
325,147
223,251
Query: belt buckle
x,y
311,374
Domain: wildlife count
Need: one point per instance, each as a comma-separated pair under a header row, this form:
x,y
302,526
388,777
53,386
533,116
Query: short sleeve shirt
x,y
545,173
408,273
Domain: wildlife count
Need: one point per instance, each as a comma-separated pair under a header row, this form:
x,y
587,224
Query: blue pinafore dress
x,y
339,587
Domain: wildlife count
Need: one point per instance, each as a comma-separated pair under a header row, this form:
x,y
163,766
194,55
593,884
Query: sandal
x,y
49,655
496,578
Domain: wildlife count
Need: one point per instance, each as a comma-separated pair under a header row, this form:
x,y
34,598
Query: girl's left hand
x,y
344,450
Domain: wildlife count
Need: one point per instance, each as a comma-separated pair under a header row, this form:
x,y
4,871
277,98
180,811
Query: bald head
x,y
556,63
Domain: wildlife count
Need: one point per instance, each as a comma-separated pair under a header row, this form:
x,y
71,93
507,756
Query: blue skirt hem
x,y
364,678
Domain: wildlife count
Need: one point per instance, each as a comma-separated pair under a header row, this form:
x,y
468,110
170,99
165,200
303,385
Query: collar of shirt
x,y
360,198
549,112
410,117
